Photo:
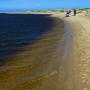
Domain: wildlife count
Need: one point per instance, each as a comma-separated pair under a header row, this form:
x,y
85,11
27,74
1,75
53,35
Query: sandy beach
x,y
80,52
44,52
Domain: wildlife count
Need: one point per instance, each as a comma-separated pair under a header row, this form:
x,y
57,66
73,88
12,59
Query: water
x,y
19,30
32,47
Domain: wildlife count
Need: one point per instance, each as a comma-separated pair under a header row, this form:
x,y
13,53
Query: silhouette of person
x,y
74,12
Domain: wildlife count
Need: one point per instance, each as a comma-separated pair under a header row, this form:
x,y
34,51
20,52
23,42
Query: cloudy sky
x,y
42,4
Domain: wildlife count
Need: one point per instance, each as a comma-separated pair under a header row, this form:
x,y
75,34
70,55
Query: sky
x,y
7,5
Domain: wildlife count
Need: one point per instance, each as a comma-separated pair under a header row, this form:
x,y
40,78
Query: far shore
x,y
85,11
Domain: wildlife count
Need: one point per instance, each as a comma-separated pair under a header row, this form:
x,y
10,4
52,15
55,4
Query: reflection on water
x,y
19,30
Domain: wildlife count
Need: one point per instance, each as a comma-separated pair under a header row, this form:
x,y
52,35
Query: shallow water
x,y
33,53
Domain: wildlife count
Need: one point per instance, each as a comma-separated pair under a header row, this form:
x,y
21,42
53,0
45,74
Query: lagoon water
x,y
32,48
19,30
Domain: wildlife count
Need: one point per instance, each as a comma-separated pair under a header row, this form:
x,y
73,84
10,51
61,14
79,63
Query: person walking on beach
x,y
67,13
74,12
